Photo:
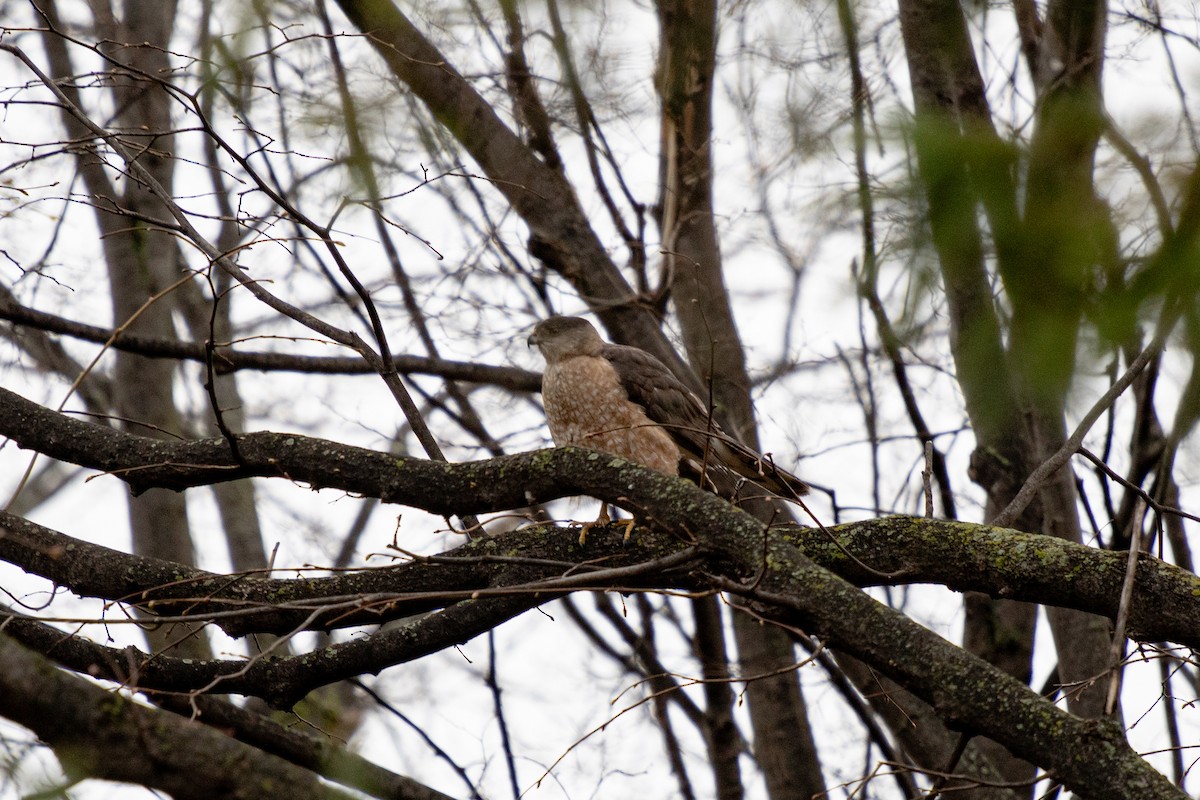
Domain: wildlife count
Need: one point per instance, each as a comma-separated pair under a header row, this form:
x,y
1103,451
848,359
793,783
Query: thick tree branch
x,y
101,734
230,360
962,556
896,550
282,682
551,560
1091,757
316,753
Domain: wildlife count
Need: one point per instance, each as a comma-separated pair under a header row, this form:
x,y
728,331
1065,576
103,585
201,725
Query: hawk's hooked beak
x,y
532,340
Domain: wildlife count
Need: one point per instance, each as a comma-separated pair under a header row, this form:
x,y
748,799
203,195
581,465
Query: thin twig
x,y
1117,653
438,750
960,747
506,742
927,478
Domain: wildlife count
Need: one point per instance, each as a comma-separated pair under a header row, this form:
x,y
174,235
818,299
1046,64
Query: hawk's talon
x,y
601,520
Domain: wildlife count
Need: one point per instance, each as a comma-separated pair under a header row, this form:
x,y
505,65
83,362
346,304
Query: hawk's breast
x,y
586,406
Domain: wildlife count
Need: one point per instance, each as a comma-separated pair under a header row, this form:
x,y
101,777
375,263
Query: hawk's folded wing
x,y
668,402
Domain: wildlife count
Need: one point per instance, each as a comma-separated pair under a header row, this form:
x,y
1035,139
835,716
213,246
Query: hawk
x,y
624,401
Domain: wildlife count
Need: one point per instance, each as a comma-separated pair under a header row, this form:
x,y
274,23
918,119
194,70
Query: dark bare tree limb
x,y
1090,756
560,234
228,359
960,555
316,753
101,734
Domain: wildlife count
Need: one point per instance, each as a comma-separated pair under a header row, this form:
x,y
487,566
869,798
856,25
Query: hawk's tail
x,y
736,457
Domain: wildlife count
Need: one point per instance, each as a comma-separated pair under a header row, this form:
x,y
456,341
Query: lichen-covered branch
x,y
739,555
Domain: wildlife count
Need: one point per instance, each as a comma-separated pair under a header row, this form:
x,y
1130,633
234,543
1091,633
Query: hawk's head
x,y
565,337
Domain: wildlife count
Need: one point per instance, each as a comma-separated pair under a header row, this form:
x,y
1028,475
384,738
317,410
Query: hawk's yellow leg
x,y
604,519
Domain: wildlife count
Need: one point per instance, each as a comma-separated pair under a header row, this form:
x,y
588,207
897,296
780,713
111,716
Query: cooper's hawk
x,y
624,401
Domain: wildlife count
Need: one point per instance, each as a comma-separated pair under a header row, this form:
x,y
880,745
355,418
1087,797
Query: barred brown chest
x,y
586,407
